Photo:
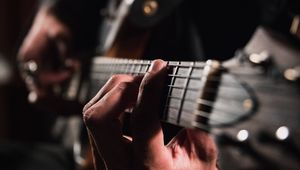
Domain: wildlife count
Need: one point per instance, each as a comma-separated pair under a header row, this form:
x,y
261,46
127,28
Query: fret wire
x,y
126,67
191,63
136,68
201,101
133,66
147,67
123,68
212,78
181,76
181,87
184,92
169,92
111,67
198,124
147,62
140,69
202,114
131,69
210,90
100,60
171,65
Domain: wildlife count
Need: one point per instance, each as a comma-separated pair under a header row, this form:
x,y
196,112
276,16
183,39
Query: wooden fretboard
x,y
195,90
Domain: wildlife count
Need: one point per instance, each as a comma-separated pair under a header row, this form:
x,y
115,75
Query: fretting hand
x,y
190,149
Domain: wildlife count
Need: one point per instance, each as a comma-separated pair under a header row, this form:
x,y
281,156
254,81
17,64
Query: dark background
x,y
16,116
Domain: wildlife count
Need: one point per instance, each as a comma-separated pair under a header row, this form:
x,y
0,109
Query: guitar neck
x,y
187,100
197,95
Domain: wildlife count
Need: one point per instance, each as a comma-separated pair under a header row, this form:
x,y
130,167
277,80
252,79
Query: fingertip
x,y
157,65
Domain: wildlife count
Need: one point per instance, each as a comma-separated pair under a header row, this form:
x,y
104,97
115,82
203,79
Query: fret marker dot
x,y
247,104
282,133
242,135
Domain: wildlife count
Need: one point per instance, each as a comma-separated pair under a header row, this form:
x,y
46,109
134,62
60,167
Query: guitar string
x,y
230,115
210,103
223,83
207,90
106,61
130,69
126,70
205,127
254,119
140,65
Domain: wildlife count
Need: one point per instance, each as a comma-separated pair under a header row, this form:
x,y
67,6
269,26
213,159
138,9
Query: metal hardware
x,y
292,74
295,26
150,7
260,58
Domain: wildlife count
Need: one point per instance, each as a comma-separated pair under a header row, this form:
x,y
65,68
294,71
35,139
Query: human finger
x,y
103,122
111,83
196,147
147,132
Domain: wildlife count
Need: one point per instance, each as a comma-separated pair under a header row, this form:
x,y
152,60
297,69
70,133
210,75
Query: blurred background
x,y
16,117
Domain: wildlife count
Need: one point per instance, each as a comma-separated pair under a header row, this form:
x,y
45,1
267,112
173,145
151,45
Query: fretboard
x,y
194,90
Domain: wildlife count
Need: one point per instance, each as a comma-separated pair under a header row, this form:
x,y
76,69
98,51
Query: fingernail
x,y
157,65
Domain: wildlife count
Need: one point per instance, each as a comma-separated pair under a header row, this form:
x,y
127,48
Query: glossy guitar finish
x,y
250,108
259,142
269,139
250,104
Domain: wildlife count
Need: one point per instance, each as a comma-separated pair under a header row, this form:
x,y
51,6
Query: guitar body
x,y
269,138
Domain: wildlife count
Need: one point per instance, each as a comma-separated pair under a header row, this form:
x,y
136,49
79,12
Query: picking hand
x,y
46,45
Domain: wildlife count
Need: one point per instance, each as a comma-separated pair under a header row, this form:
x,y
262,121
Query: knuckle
x,y
86,107
87,116
123,85
116,78
90,117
